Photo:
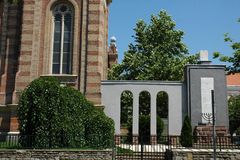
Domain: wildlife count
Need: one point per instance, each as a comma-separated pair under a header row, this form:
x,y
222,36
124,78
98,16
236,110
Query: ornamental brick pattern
x,y
204,134
26,32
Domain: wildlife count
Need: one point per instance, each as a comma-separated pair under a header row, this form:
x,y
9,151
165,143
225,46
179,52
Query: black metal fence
x,y
125,143
16,141
127,148
206,142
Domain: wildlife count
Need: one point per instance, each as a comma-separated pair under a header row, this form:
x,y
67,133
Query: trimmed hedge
x,y
58,116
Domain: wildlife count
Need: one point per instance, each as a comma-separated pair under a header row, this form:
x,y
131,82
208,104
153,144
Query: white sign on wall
x,y
207,84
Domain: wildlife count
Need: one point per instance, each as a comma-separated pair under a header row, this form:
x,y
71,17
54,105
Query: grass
x,y
123,150
16,145
9,145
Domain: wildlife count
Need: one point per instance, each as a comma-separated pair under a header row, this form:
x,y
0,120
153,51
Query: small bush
x,y
58,116
144,128
186,133
238,131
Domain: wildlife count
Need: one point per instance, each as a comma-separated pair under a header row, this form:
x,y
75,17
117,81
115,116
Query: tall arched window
x,y
62,39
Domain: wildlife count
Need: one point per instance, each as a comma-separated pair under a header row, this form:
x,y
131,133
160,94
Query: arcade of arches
x,y
144,113
191,97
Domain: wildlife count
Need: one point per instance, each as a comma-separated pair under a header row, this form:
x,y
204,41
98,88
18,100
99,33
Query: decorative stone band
x,y
56,154
65,79
204,154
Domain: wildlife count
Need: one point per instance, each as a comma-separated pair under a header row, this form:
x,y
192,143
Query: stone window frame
x,y
48,37
57,10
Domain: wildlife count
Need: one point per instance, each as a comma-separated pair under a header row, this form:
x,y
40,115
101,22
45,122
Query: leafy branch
x,y
234,59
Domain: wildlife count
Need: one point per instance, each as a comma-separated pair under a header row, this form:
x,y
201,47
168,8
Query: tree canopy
x,y
234,59
157,54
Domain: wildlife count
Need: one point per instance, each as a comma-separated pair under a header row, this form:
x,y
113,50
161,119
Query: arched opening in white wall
x,y
162,113
126,112
144,116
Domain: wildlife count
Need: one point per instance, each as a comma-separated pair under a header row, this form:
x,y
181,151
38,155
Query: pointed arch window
x,y
62,39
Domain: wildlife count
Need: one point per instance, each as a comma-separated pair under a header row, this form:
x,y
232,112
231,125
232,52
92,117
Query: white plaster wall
x,y
111,94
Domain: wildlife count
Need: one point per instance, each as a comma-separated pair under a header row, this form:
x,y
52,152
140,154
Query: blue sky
x,y
203,21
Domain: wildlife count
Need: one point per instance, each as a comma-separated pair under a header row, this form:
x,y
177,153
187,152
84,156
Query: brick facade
x,y
26,48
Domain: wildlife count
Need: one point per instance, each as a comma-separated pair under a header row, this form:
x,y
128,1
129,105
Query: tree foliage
x,y
126,107
14,1
234,113
234,60
157,54
162,104
60,117
186,137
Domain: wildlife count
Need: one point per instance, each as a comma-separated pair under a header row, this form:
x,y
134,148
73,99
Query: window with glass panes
x,y
62,39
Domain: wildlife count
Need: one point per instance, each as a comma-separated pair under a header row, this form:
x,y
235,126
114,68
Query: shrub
x,y
38,112
186,133
58,116
144,128
238,131
99,130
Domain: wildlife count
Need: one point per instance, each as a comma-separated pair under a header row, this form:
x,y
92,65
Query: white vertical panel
x,y
207,84
135,129
153,126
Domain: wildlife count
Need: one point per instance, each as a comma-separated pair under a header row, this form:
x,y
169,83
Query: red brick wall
x,y
9,52
233,79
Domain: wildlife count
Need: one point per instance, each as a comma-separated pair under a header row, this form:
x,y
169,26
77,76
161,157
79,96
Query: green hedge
x,y
58,116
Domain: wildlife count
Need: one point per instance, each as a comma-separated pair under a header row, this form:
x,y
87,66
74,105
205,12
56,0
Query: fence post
x,y
113,148
220,139
213,125
141,147
169,142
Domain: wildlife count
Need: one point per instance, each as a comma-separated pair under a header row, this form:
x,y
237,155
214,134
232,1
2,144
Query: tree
x,y
234,60
162,103
126,107
234,113
157,54
54,116
186,137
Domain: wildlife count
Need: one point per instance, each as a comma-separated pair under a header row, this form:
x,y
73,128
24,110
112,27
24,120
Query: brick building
x,y
66,39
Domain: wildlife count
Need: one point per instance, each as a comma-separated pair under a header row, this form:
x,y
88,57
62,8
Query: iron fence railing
x,y
206,142
149,148
124,143
17,141
169,142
